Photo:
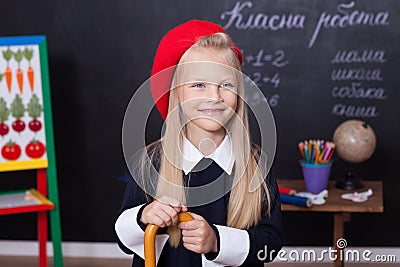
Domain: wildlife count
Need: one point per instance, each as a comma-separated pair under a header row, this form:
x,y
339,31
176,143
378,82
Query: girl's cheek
x,y
231,102
190,95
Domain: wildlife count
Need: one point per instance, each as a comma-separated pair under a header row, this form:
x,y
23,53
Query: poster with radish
x,y
22,123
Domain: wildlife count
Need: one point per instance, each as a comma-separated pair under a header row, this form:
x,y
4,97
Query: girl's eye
x,y
226,86
198,85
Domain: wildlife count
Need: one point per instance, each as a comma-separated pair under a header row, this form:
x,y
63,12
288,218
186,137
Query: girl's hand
x,y
162,212
198,236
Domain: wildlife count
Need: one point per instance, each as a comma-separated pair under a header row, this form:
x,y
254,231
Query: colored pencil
x,y
316,151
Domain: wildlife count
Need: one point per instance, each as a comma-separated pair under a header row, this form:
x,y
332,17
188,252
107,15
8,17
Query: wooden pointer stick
x,y
150,238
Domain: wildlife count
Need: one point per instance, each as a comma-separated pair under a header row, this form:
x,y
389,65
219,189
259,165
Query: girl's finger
x,y
165,217
196,216
177,209
189,233
157,221
190,225
172,213
190,240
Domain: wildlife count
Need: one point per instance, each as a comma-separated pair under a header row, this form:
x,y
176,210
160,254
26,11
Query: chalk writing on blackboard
x,y
355,111
256,99
358,92
263,67
354,56
356,76
359,74
360,82
349,18
236,18
277,59
243,17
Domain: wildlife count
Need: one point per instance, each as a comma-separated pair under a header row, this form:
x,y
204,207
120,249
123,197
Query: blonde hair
x,y
246,201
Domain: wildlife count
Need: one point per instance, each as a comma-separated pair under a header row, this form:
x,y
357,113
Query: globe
x,y
355,142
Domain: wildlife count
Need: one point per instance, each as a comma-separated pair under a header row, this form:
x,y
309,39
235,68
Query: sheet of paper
x,y
19,199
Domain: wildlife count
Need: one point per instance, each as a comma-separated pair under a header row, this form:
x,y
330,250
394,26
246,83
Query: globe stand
x,y
349,182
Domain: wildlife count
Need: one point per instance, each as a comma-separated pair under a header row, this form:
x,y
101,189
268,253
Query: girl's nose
x,y
214,92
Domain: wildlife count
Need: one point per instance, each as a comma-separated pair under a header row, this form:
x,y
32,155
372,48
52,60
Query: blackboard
x,y
318,62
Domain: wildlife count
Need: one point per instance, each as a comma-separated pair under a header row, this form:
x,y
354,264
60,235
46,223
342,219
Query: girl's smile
x,y
212,112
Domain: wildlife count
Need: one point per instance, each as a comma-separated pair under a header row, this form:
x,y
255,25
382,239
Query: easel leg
x,y
43,180
56,237
338,233
55,221
42,218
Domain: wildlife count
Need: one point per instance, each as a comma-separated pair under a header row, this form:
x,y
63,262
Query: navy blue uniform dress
x,y
267,233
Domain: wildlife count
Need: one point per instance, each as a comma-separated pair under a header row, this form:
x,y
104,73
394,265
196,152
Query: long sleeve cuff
x,y
131,234
210,256
234,246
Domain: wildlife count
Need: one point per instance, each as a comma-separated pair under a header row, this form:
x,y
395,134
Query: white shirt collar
x,y
223,155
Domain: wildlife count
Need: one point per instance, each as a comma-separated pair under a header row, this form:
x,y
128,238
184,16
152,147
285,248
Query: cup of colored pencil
x,y
316,151
316,163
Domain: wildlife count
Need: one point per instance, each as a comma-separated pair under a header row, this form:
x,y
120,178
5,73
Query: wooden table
x,y
341,208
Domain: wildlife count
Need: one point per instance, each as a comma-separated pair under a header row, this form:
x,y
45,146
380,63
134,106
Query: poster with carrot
x,y
22,113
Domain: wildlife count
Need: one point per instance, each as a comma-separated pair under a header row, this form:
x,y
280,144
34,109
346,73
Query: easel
x,y
46,192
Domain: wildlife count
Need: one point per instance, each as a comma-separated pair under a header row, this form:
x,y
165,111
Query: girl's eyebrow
x,y
197,79
229,79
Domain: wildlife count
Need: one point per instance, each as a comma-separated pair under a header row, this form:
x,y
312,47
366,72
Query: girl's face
x,y
207,92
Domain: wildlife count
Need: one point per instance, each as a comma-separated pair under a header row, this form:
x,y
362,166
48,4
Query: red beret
x,y
170,50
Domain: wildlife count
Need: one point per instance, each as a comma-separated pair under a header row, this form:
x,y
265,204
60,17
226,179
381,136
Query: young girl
x,y
205,162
